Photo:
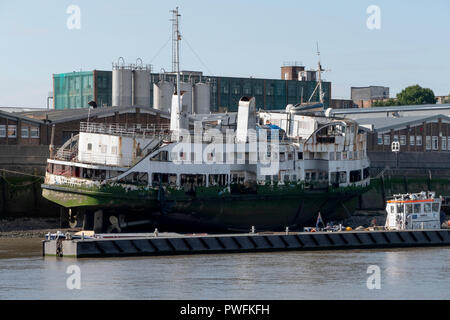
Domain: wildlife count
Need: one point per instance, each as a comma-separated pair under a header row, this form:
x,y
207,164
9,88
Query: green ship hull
x,y
214,208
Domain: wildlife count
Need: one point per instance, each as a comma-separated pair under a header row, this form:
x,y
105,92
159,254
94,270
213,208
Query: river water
x,y
403,274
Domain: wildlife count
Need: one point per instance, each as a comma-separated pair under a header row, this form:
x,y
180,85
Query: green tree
x,y
386,103
416,95
413,95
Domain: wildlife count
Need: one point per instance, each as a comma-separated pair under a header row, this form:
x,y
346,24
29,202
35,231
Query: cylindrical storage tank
x,y
187,87
141,87
202,98
162,95
121,86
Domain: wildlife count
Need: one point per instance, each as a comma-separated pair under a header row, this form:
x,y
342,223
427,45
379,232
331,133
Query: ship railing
x,y
108,160
130,130
67,155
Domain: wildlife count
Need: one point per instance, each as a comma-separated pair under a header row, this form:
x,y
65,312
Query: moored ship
x,y
267,169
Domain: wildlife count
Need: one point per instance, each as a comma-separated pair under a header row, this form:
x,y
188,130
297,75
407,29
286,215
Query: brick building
x,y
424,142
25,136
34,127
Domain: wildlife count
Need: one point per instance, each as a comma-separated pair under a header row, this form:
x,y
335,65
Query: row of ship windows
x,y
415,208
25,132
431,142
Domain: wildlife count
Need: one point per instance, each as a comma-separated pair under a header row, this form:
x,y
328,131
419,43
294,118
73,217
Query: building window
x,y
24,133
2,131
12,131
395,138
448,143
428,142
444,143
387,139
412,140
332,158
435,143
350,155
89,147
403,140
380,139
34,132
418,140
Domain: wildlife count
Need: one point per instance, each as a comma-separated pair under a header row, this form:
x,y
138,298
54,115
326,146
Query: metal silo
x,y
162,95
141,85
202,98
122,88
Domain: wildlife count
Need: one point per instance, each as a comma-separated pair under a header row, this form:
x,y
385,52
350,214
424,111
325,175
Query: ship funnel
x,y
179,116
246,118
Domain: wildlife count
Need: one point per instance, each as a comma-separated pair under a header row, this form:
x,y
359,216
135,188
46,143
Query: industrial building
x,y
75,89
364,97
423,134
138,85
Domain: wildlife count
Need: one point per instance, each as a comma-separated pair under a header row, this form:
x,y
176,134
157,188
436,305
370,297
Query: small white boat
x,y
413,211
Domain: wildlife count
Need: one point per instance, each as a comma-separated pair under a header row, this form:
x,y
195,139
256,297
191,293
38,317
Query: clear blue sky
x,y
232,38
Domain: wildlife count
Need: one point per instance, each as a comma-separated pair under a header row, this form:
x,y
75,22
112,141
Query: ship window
x,y
136,178
164,178
417,208
343,177
409,208
400,207
391,207
427,207
218,179
435,207
89,147
355,176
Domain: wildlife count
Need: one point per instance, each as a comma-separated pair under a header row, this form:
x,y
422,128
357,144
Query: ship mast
x,y
176,37
319,79
319,74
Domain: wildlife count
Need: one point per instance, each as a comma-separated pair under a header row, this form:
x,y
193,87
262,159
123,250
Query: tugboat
x,y
414,211
227,172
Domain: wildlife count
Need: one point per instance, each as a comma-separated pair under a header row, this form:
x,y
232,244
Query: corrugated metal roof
x,y
64,115
391,109
386,124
